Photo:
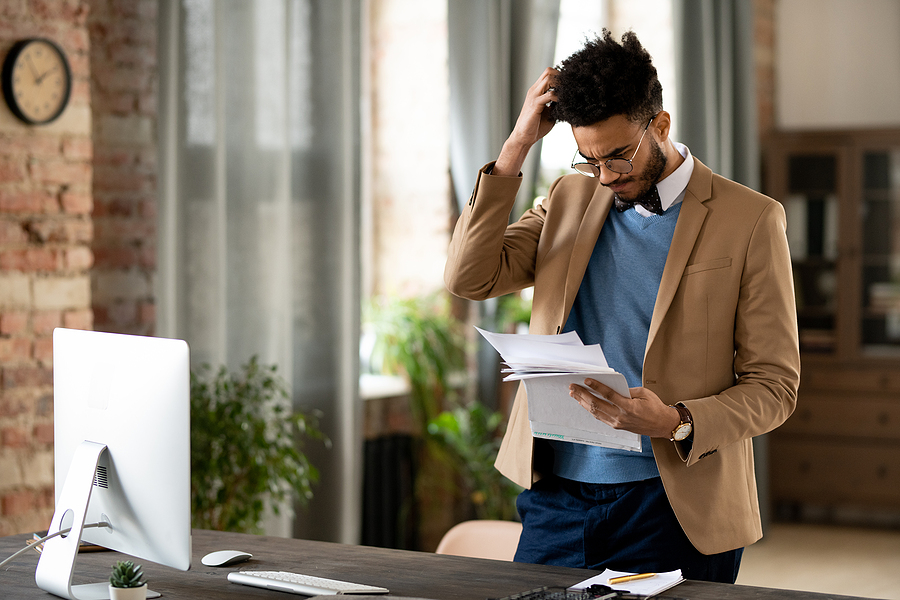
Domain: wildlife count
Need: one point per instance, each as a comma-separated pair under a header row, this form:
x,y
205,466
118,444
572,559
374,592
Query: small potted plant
x,y
126,582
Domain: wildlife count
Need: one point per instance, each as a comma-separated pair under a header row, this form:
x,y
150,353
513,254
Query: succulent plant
x,y
126,574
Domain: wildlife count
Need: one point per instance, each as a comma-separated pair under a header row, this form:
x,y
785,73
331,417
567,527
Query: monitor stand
x,y
57,563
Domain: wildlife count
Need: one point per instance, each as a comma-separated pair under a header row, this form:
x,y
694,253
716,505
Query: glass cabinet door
x,y
880,244
812,210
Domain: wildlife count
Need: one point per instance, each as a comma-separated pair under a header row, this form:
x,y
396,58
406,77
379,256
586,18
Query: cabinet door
x,y
812,204
880,251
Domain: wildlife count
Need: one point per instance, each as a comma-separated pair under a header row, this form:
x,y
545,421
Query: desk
x,y
405,573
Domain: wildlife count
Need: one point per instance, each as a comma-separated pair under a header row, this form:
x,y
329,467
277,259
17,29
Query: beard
x,y
653,170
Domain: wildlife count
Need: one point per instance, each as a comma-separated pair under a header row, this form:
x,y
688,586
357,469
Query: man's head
x,y
605,79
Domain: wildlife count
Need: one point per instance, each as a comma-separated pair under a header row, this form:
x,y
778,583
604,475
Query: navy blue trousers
x,y
624,527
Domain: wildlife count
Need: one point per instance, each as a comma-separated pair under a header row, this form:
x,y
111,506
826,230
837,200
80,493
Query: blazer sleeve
x,y
766,348
487,256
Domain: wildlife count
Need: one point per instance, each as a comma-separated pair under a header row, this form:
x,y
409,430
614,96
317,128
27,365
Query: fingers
x,y
596,399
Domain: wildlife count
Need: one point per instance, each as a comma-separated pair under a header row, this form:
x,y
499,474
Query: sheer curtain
x,y
498,48
717,86
259,212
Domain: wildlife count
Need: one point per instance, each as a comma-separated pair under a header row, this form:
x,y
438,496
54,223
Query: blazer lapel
x,y
585,240
690,221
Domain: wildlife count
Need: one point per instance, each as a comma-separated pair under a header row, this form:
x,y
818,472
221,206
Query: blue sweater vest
x,y
613,308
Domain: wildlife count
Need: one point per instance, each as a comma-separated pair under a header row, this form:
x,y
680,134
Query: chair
x,y
482,539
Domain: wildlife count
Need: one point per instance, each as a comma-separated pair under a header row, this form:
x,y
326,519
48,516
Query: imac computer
x,y
122,454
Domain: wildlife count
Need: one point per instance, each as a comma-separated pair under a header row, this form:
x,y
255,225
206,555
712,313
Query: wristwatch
x,y
686,427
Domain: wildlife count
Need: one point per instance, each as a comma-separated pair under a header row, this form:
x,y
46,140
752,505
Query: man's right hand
x,y
533,123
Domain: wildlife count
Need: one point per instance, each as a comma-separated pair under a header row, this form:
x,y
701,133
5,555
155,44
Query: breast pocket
x,y
709,265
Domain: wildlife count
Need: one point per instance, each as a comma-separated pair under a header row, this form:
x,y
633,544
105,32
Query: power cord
x,y
51,536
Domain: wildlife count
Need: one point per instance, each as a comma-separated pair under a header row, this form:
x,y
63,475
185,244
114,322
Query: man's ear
x,y
661,126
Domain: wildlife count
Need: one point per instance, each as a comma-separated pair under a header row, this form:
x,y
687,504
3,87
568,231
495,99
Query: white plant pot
x,y
137,593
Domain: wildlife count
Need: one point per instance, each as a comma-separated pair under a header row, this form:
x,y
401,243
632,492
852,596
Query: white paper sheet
x,y
548,364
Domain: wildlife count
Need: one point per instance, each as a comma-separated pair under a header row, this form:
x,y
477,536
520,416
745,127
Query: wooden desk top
x,y
405,573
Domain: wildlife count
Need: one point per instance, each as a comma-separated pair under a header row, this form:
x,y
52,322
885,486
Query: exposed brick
x,y
14,406
76,203
19,377
13,322
79,258
78,148
67,231
43,350
116,258
107,205
15,349
44,322
30,260
17,503
60,172
122,180
79,319
12,233
15,290
12,170
36,202
147,313
14,437
43,433
62,292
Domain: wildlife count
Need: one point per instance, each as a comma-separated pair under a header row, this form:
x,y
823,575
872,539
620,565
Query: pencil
x,y
624,578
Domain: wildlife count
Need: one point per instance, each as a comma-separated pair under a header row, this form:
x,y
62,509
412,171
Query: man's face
x,y
618,137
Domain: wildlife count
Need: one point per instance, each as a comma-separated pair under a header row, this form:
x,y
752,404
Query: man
x,y
690,296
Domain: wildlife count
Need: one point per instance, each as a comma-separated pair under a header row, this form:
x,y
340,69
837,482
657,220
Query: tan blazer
x,y
723,337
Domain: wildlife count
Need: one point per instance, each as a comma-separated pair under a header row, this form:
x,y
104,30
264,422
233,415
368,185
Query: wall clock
x,y
37,80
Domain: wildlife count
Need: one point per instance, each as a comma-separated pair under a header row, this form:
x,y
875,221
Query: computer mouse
x,y
223,558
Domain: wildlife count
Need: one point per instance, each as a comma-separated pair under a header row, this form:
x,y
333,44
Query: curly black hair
x,y
605,79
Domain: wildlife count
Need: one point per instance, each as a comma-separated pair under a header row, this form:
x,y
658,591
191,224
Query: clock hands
x,y
41,78
33,70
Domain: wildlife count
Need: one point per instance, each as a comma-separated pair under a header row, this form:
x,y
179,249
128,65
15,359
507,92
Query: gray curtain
x,y
498,48
259,226
716,86
718,113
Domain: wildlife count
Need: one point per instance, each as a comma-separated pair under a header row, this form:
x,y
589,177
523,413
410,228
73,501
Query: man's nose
x,y
606,176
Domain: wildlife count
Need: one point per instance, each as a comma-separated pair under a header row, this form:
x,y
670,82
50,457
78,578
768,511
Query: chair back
x,y
482,538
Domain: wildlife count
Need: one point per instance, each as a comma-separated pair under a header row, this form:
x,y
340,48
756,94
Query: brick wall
x,y
123,101
45,259
77,222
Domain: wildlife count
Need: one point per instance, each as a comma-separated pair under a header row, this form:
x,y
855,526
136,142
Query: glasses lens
x,y
619,165
587,169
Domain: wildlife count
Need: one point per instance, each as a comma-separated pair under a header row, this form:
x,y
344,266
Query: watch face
x,y
36,80
682,431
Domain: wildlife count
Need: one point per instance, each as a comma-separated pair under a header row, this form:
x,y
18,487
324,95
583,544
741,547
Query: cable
x,y
52,535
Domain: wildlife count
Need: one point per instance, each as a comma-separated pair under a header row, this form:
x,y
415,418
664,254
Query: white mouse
x,y
223,558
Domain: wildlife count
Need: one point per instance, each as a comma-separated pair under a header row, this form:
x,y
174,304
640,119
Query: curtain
x,y
716,86
718,113
498,48
259,203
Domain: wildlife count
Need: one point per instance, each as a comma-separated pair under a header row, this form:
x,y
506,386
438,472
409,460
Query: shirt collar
x,y
671,189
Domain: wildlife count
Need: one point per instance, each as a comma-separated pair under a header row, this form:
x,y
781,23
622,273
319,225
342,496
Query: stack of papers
x,y
648,586
548,364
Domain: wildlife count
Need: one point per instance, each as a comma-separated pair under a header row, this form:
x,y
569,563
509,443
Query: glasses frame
x,y
589,169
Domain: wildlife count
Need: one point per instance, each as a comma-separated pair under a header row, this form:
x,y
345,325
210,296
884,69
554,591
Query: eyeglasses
x,y
616,165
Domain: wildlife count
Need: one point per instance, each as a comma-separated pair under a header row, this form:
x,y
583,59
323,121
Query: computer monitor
x,y
122,453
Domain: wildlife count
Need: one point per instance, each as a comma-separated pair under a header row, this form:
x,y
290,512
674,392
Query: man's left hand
x,y
644,413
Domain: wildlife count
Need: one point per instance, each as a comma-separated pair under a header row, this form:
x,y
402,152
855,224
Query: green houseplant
x,y
472,435
246,447
127,582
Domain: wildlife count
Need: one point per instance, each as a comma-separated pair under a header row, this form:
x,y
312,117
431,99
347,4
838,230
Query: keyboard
x,y
296,583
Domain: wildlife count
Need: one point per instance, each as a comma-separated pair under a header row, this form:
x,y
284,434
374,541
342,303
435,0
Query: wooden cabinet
x,y
839,454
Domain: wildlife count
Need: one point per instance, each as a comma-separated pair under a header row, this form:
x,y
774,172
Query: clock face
x,y
36,81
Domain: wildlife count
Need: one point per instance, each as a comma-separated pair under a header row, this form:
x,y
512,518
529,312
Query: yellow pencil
x,y
624,578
